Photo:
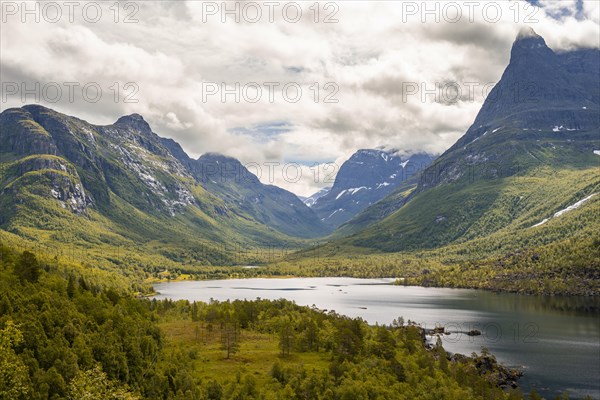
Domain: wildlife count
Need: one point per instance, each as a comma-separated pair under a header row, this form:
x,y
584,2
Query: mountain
x,y
68,181
277,208
311,200
529,154
365,178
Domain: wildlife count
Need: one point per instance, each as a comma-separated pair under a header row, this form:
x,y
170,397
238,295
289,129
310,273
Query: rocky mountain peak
x,y
218,157
135,121
221,168
528,32
529,44
540,90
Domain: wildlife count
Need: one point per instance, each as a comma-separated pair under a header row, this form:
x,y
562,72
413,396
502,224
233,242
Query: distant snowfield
x,y
566,210
333,213
351,191
597,152
341,194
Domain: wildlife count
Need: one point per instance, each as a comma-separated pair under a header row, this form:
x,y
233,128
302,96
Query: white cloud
x,y
371,54
591,10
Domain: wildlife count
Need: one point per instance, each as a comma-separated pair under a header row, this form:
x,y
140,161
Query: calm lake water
x,y
555,340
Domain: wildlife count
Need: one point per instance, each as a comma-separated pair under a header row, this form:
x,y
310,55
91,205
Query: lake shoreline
x,y
411,281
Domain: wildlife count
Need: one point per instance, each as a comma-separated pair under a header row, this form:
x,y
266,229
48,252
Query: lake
x,y
555,340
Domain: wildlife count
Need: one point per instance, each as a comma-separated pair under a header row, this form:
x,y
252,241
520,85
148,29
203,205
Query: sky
x,y
294,87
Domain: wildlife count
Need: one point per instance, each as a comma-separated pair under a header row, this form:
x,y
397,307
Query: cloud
x,y
367,65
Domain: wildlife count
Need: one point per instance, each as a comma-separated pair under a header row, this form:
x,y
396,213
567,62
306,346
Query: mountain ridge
x,y
469,192
123,180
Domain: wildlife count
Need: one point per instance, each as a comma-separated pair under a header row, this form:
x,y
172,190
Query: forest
x,y
67,335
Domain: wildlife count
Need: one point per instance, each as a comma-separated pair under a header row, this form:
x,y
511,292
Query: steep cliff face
x,y
35,166
63,181
22,136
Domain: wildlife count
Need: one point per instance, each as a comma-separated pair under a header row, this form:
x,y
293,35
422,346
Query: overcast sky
x,y
369,60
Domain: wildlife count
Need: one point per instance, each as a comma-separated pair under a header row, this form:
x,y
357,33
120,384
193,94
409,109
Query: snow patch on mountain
x,y
541,223
341,194
335,212
562,128
574,206
353,191
310,201
566,210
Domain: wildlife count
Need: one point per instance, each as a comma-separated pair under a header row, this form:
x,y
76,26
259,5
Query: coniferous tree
x,y
71,286
28,268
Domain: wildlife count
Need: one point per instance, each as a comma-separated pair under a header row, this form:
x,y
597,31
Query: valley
x,y
131,268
